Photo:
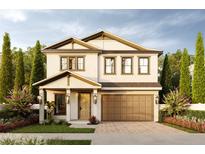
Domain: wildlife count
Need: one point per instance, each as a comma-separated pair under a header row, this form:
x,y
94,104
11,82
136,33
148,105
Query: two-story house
x,y
101,75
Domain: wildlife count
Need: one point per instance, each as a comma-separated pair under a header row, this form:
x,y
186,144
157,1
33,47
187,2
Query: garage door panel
x,y
127,107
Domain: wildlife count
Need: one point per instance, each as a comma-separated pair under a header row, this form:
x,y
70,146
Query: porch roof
x,y
64,74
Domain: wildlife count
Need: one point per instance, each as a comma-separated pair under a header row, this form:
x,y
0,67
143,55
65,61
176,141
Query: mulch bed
x,y
200,127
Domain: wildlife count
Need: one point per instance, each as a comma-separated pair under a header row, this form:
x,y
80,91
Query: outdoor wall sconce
x,y
39,99
95,98
156,99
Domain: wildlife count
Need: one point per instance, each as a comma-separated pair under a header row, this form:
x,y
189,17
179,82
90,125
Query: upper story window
x,y
127,65
73,63
80,63
143,65
109,65
64,63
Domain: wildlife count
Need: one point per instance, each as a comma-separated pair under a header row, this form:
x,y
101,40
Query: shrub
x,y
175,104
93,120
162,114
5,127
7,114
23,141
195,114
180,121
50,109
20,102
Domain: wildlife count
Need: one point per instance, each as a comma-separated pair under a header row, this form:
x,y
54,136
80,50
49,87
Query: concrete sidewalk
x,y
65,136
118,139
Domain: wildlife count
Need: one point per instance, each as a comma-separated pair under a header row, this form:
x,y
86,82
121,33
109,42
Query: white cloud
x,y
181,19
13,15
162,43
138,30
72,29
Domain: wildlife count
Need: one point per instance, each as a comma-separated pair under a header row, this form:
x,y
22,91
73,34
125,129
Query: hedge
x,y
6,127
195,113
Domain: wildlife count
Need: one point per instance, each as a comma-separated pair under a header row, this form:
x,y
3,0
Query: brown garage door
x,y
122,107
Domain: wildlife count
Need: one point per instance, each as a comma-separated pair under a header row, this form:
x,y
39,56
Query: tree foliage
x,y
37,72
174,63
185,79
19,75
165,77
6,72
198,84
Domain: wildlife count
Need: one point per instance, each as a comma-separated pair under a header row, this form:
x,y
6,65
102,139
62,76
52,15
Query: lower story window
x,y
60,105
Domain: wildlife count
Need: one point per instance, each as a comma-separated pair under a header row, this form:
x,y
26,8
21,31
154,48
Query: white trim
x,y
140,46
72,74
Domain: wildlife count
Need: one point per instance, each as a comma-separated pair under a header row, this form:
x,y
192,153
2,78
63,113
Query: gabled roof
x,y
63,74
117,38
71,40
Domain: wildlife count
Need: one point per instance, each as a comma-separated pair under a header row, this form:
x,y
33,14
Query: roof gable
x,y
72,44
106,36
61,79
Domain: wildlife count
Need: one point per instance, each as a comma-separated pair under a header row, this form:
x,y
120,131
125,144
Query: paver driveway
x,y
144,133
135,128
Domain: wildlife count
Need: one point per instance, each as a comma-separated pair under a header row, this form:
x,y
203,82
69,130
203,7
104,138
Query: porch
x,y
75,97
70,105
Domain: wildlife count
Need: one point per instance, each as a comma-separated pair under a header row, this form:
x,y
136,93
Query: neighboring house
x,y
101,75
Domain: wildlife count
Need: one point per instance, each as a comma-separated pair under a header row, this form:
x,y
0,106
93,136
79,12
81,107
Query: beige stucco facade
x,y
91,79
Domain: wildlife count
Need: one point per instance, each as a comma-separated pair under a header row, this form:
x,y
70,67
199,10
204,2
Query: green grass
x,y
68,142
180,128
52,129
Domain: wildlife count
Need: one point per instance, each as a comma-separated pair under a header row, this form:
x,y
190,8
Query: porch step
x,y
81,124
85,122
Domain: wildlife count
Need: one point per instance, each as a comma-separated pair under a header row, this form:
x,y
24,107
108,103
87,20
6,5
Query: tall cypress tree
x,y
19,75
21,65
185,80
6,75
37,72
198,84
165,78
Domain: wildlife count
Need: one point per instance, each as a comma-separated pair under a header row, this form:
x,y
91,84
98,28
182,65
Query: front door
x,y
84,106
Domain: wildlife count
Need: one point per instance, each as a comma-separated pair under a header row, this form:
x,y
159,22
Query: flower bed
x,y
5,127
186,123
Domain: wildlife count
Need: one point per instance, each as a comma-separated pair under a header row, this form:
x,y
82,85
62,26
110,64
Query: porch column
x,y
95,102
68,105
41,99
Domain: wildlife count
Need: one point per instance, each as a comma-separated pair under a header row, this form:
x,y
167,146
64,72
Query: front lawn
x,y
180,128
53,128
68,142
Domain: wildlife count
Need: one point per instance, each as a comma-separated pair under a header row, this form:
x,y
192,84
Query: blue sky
x,y
167,30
